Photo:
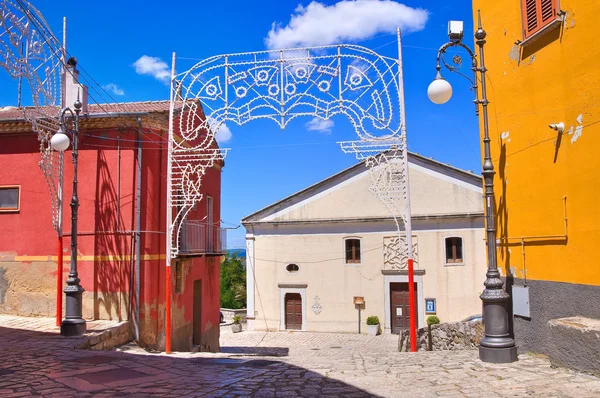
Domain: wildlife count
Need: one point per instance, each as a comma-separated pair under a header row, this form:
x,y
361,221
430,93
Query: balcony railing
x,y
198,237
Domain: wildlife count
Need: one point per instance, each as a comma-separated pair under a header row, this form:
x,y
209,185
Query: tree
x,y
233,282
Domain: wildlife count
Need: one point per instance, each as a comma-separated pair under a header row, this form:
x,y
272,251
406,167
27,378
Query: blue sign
x,y
430,306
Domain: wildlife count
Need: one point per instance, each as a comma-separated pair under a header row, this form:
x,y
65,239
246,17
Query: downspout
x,y
118,181
138,222
120,262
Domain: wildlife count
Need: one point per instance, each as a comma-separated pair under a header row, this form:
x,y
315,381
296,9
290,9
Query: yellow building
x,y
543,67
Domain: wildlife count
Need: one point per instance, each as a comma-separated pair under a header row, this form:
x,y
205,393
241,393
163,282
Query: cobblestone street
x,y
273,365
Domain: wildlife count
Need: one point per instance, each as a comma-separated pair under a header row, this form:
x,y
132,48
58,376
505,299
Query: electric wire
x,y
48,36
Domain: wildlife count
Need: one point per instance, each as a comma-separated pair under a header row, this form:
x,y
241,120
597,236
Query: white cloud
x,y
320,125
114,89
223,134
152,66
348,20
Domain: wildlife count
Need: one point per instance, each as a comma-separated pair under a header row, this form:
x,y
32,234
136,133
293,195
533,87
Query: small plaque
x,y
317,307
359,300
398,311
430,306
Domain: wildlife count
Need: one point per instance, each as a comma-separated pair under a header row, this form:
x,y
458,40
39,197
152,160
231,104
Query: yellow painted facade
x,y
553,79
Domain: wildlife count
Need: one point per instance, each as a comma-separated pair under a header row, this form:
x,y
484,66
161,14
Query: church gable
x,y
435,189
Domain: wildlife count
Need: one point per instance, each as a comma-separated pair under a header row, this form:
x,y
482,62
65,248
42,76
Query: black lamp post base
x,y
498,355
72,327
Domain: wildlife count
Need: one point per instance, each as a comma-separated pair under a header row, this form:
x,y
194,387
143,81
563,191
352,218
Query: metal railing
x,y
198,237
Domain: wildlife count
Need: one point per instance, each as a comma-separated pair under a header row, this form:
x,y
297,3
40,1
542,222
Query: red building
x,y
122,176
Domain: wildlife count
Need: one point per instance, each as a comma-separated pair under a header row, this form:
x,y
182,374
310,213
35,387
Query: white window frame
x,y
18,208
462,241
361,250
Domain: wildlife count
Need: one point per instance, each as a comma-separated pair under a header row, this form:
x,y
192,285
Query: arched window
x,y
292,268
353,251
454,250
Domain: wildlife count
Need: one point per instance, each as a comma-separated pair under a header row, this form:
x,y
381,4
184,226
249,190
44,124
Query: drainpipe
x,y
138,222
118,181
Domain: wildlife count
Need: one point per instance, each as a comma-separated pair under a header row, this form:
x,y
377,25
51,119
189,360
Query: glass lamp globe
x,y
439,91
59,141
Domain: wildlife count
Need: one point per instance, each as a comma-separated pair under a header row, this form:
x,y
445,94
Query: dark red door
x,y
197,315
293,311
400,306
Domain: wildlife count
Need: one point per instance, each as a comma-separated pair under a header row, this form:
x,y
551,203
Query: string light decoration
x,y
25,54
389,183
281,85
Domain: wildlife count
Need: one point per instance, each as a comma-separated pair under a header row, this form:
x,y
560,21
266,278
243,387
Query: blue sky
x,y
266,163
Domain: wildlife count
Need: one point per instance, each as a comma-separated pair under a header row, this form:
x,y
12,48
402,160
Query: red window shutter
x,y
548,11
530,20
537,14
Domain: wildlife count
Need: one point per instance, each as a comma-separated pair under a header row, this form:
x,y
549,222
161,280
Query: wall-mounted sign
x,y
317,307
398,311
430,306
359,300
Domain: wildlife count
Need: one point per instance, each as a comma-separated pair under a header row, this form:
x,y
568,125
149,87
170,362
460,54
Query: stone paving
x,y
273,365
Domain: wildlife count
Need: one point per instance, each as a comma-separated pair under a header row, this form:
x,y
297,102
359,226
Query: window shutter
x,y
537,14
530,16
548,10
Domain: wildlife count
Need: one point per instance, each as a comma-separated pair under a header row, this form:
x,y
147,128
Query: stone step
x,y
575,343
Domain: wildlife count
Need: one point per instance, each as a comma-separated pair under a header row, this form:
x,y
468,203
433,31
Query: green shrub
x,y
233,282
237,319
433,320
372,320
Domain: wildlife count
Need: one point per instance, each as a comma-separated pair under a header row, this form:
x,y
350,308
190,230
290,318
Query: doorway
x,y
400,306
197,320
293,311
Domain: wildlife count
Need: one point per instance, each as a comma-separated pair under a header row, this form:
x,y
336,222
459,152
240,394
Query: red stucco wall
x,y
28,241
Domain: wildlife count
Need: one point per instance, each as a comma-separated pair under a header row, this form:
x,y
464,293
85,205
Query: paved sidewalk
x,y
273,365
48,325
100,334
373,364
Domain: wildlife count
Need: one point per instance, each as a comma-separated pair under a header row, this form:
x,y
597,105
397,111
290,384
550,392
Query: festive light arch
x,y
281,85
28,51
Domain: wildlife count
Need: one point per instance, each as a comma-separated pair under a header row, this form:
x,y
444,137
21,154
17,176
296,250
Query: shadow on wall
x,y
505,252
3,286
114,257
529,50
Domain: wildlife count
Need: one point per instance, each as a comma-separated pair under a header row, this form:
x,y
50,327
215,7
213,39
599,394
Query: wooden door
x,y
293,311
400,306
197,321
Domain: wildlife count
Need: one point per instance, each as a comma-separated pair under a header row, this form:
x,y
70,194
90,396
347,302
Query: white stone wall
x,y
309,230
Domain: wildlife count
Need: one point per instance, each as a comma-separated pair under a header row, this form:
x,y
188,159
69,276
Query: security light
x,y
455,30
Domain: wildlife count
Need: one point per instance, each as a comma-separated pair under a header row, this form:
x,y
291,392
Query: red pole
x,y
59,275
168,310
411,298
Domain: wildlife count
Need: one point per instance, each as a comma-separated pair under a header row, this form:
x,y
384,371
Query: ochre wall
x,y
554,79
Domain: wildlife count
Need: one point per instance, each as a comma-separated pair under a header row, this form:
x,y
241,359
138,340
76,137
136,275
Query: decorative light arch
x,y
29,51
281,85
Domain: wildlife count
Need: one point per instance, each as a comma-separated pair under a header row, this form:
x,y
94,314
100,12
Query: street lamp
x,y
496,346
73,324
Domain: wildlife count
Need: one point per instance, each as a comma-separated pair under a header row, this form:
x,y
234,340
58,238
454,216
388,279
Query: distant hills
x,y
238,252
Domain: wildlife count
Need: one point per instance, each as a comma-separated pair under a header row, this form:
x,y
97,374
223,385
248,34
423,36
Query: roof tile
x,y
14,113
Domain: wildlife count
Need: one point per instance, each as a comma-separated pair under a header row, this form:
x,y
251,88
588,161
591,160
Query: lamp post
x,y
73,324
497,346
